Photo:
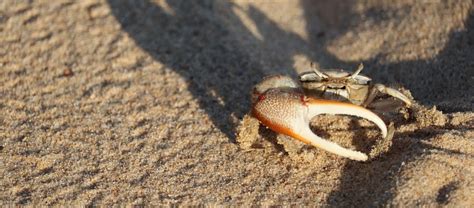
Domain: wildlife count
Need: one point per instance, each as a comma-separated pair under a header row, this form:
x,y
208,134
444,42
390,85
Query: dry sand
x,y
137,102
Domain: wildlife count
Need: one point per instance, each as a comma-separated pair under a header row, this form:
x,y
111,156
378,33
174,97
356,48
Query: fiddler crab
x,y
283,105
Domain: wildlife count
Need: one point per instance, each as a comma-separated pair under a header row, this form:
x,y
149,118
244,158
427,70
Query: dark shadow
x,y
450,88
445,81
192,40
195,40
445,192
371,184
326,20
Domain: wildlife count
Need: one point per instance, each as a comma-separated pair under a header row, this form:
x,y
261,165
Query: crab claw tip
x,y
318,106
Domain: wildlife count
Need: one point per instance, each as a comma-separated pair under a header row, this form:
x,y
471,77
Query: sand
x,y
138,102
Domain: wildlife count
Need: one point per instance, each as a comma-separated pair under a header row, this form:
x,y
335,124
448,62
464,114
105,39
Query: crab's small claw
x,y
380,88
288,112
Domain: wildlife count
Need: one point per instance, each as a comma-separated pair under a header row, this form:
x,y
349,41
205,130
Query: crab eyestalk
x,y
359,69
319,73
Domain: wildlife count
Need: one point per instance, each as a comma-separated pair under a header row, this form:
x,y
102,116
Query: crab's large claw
x,y
288,112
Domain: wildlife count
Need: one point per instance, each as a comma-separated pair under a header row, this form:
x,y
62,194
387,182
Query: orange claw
x,y
285,111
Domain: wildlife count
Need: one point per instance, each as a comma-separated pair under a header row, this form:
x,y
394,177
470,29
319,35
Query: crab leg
x,y
290,114
380,88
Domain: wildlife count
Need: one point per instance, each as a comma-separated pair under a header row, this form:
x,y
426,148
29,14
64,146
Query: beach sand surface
x,y
106,102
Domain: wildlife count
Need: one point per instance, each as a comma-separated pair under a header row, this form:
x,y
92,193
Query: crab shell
x,y
336,85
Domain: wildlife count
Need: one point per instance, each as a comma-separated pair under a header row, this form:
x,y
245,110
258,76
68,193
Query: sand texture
x,y
107,102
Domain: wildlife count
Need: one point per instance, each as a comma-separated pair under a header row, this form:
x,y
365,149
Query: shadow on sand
x,y
198,40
